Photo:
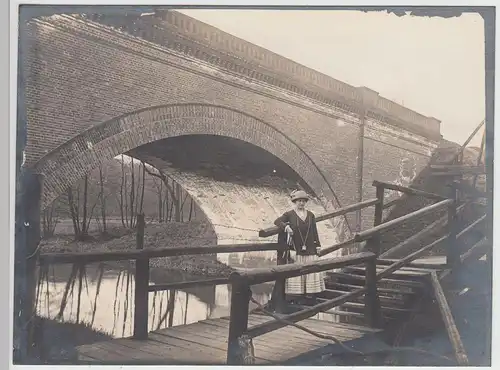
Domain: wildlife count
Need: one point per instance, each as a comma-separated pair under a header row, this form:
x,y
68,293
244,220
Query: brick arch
x,y
72,160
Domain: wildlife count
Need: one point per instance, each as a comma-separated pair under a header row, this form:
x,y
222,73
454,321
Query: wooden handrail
x,y
415,237
336,247
407,190
273,230
413,264
269,326
188,284
390,203
471,226
367,234
413,256
263,275
90,257
476,248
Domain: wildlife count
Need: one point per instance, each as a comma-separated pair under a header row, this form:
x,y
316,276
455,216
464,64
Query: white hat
x,y
299,194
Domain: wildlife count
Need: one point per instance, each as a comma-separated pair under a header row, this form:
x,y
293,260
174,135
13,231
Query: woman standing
x,y
299,224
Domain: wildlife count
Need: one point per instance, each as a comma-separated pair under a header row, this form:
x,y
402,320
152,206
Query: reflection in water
x,y
104,298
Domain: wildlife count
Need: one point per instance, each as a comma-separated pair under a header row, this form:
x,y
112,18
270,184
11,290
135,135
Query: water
x,y
105,298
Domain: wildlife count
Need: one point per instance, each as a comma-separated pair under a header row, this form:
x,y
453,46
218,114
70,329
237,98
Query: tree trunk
x,y
132,194
84,228
71,204
190,209
103,201
160,202
143,187
121,194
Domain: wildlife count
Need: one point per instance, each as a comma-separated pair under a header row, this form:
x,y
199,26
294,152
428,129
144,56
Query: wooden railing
x,y
338,212
241,294
242,281
141,257
372,235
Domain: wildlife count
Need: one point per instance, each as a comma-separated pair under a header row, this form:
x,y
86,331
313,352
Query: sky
x,y
434,66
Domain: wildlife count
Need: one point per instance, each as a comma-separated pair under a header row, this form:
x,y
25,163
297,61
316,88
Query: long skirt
x,y
306,284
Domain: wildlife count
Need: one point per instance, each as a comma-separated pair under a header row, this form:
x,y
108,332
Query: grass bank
x,y
172,234
56,341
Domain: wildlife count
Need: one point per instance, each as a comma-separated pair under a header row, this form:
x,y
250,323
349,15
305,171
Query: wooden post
x,y
372,303
140,231
278,297
141,298
27,239
379,207
238,321
453,250
373,245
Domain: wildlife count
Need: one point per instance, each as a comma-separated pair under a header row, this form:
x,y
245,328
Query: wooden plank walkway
x,y
205,342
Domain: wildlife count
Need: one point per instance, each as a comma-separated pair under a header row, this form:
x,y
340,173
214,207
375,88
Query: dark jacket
x,y
304,232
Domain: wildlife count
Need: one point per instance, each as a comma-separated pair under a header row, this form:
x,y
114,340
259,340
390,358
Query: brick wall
x,y
83,79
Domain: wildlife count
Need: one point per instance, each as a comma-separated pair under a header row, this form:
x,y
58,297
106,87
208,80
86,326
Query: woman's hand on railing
x,y
318,251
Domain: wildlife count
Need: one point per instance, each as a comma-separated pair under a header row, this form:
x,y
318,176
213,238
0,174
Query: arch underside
x,y
237,210
72,160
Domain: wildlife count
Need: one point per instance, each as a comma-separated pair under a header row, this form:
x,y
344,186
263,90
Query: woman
x,y
299,225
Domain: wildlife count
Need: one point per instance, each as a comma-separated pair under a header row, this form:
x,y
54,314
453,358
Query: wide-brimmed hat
x,y
299,194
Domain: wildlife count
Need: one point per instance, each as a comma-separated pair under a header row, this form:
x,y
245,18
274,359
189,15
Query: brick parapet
x,y
185,34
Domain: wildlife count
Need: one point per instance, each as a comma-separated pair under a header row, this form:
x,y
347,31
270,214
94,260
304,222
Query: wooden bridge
x,y
367,291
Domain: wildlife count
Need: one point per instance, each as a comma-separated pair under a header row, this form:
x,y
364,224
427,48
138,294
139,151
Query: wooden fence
x,y
242,281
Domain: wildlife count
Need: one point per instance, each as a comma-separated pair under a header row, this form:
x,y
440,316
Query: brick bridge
x,y
236,125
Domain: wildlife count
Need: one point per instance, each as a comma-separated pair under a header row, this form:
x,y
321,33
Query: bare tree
x,y
158,184
173,191
80,207
122,184
49,220
131,199
103,201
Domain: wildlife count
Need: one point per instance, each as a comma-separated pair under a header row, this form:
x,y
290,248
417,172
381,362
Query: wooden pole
x,y
273,230
27,240
368,234
278,297
452,250
264,274
407,190
449,323
372,302
141,225
90,257
373,244
238,321
141,297
269,326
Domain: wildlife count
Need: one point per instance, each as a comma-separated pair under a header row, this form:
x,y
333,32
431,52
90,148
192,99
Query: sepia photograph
x,y
253,185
